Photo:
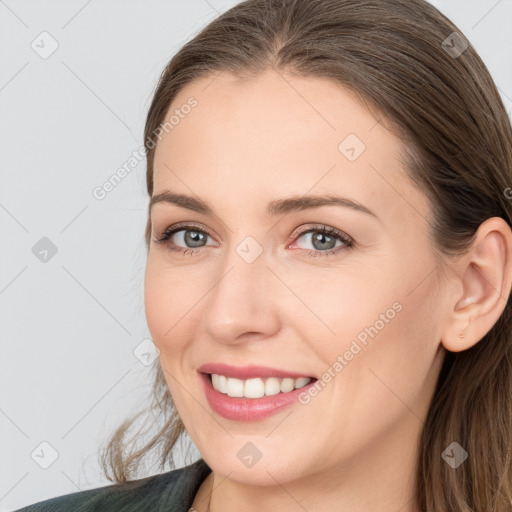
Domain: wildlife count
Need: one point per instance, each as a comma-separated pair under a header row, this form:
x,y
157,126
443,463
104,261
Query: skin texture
x,y
354,445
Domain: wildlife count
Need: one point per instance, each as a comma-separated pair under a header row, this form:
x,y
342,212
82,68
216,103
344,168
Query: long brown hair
x,y
415,70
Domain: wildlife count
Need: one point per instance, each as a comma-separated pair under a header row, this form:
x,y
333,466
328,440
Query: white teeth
x,y
235,387
256,387
301,382
287,385
223,384
272,386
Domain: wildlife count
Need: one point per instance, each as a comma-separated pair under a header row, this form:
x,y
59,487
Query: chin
x,y
265,471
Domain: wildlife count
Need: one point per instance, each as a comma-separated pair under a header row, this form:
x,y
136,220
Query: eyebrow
x,y
274,208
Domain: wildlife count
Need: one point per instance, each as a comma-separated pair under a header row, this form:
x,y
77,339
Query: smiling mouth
x,y
256,387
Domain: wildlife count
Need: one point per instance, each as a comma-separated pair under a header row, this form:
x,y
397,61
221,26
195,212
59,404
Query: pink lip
x,y
248,409
248,372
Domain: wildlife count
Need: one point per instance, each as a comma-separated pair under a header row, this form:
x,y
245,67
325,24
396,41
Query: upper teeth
x,y
256,388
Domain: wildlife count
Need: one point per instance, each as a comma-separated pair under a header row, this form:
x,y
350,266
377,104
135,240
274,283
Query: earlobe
x,y
461,336
486,271
456,339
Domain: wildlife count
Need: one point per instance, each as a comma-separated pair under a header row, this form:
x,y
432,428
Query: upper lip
x,y
248,372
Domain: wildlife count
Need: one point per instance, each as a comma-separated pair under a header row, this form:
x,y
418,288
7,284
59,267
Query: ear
x,y
485,277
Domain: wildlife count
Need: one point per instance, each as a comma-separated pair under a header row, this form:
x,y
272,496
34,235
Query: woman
x,y
329,265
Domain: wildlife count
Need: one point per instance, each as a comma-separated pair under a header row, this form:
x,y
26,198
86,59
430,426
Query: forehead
x,y
279,135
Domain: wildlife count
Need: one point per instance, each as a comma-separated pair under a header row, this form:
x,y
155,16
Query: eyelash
x,y
318,228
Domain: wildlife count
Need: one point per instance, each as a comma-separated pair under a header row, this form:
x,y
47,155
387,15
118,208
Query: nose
x,y
242,306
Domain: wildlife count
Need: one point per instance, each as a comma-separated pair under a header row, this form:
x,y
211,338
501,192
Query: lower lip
x,y
249,409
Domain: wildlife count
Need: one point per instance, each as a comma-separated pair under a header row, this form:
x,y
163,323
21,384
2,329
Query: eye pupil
x,y
194,237
318,237
190,238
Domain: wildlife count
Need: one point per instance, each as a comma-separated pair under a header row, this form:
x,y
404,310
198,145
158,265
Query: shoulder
x,y
172,491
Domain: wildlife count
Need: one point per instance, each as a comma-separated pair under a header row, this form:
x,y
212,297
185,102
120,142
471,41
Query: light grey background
x,y
70,325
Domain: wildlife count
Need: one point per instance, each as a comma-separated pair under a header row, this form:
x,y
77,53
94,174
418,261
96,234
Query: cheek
x,y
382,329
342,309
155,302
397,351
172,298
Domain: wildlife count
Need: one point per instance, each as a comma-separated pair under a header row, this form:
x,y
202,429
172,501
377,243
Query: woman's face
x,y
267,287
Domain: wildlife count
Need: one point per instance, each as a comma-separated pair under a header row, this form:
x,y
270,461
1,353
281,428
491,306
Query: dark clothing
x,y
173,491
